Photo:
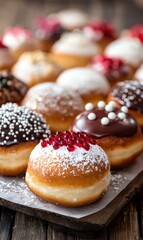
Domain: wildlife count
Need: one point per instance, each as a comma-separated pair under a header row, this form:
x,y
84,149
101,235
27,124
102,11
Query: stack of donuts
x,y
71,105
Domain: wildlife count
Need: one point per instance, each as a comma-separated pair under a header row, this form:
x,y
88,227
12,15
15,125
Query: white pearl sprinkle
x,y
104,121
91,116
101,104
89,106
112,103
109,108
124,109
121,115
111,115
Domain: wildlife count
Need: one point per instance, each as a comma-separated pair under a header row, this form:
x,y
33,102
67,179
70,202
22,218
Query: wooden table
x,y
128,225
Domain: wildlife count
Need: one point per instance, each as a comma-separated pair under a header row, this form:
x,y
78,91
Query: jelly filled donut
x,y
129,94
100,32
58,106
36,67
128,49
19,40
114,69
68,169
11,89
116,131
20,130
7,59
48,32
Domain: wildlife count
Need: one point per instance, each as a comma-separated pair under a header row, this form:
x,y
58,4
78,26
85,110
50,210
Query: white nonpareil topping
x,y
121,115
109,108
124,109
89,106
111,115
101,104
91,116
104,121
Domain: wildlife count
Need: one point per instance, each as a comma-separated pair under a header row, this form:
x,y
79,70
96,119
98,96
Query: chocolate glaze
x,y
19,125
11,89
130,94
117,127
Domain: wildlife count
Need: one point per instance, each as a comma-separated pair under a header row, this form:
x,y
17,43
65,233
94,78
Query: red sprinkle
x,y
69,139
106,64
106,29
137,32
48,25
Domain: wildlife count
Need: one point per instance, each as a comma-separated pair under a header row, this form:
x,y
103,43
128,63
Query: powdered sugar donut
x,y
91,85
35,67
19,40
57,105
73,50
129,49
68,169
20,130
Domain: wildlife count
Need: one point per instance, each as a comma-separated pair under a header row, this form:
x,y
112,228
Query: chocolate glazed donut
x,y
116,131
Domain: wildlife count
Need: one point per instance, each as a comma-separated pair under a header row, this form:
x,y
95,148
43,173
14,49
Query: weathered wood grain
x,y
125,225
28,228
6,223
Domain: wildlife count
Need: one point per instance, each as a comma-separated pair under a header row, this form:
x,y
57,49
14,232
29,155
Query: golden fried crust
x,y
67,61
14,158
66,195
122,150
137,115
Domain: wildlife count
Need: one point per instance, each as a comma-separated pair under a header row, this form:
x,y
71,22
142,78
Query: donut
x,y
128,49
129,94
58,106
11,88
113,68
20,131
102,33
36,67
115,129
47,33
73,50
135,31
19,40
70,19
88,83
7,59
139,74
69,169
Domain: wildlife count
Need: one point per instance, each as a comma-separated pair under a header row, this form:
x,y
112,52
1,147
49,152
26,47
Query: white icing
x,y
101,104
84,80
104,121
76,43
47,158
25,68
14,41
71,18
91,116
92,34
129,49
89,106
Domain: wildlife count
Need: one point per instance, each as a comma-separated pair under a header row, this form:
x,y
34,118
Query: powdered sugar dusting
x,y
83,80
50,98
61,161
117,180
